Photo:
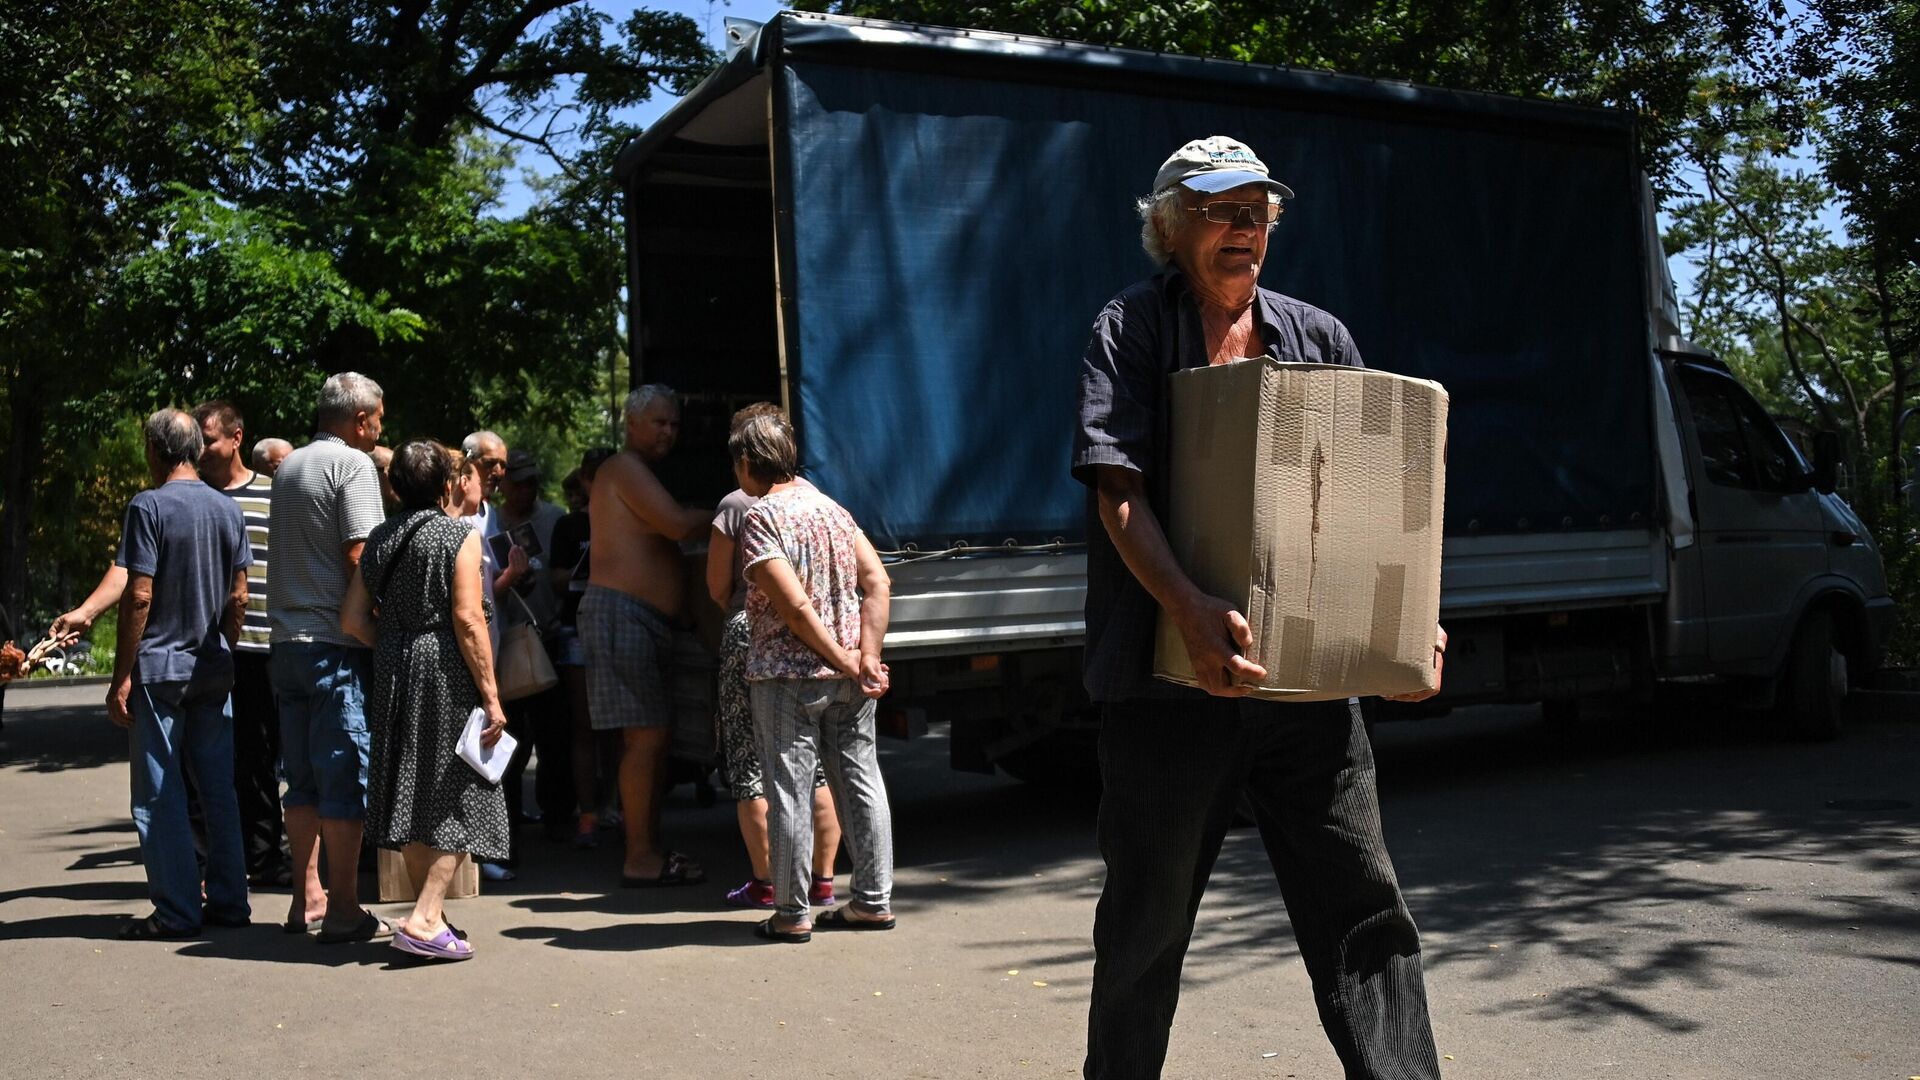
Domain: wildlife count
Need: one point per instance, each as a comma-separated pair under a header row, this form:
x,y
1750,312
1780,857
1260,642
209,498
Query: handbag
x,y
522,669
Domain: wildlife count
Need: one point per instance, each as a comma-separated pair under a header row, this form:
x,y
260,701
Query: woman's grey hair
x,y
345,396
1163,217
174,438
765,443
644,396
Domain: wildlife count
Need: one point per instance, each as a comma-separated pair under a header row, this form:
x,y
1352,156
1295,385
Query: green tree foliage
x,y
1626,53
229,198
104,106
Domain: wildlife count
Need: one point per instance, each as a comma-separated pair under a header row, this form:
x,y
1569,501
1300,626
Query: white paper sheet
x,y
489,761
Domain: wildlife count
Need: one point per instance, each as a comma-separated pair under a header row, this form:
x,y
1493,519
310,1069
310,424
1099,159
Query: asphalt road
x,y
1627,897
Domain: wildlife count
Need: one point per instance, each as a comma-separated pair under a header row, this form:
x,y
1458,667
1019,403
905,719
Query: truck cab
x,y
1775,582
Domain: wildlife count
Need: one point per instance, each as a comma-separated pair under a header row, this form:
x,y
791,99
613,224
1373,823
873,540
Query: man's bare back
x,y
637,528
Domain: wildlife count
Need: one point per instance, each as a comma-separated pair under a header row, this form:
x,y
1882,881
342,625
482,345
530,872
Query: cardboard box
x,y
1310,496
396,886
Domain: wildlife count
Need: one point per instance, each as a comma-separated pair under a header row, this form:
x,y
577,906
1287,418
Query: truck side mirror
x,y
1826,461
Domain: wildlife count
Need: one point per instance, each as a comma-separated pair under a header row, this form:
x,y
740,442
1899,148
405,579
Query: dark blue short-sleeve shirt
x,y
191,540
1146,333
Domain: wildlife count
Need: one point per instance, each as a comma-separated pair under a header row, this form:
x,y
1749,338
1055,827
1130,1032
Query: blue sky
x,y
708,13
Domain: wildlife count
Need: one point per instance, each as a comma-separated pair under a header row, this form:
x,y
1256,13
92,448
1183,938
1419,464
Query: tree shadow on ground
x,y
1589,850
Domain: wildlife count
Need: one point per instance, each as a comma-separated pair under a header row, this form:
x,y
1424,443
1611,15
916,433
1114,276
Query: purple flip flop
x,y
443,947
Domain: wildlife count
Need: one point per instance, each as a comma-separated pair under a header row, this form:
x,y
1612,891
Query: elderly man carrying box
x,y
1174,760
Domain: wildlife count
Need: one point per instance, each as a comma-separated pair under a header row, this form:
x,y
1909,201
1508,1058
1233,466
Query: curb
x,y
21,685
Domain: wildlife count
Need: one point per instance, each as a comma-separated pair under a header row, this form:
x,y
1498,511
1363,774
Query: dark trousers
x,y
256,772
1172,773
543,723
256,764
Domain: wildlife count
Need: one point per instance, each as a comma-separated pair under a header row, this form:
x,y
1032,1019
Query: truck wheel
x,y
1814,691
1066,759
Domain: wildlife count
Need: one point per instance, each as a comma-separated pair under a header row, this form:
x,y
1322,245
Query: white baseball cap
x,y
1215,164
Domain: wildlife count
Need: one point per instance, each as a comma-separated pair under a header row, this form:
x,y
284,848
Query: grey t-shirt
x,y
191,540
727,517
325,496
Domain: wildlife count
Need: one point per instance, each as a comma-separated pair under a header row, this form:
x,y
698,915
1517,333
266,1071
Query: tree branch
x,y
554,71
543,141
503,41
1777,293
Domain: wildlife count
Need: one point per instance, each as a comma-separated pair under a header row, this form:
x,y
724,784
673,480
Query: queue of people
x,y
367,738
336,702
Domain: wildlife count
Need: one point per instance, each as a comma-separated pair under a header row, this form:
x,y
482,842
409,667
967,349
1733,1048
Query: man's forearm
x,y
113,585
236,613
1136,534
134,607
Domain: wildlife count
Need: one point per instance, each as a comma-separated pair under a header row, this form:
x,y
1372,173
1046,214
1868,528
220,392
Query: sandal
x,y
766,931
838,919
754,894
675,870
444,946
369,927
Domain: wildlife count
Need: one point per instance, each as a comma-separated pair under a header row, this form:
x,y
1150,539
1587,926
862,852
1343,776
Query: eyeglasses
x,y
1226,213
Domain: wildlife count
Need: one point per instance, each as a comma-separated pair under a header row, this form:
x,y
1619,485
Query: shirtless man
x,y
626,624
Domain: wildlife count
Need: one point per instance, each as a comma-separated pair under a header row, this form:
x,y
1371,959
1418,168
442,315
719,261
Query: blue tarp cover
x,y
954,237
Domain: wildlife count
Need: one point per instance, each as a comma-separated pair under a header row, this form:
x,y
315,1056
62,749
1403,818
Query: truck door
x,y
1760,527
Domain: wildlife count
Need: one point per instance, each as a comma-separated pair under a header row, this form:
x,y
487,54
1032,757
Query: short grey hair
x,y
174,438
263,451
346,395
1163,217
646,394
471,445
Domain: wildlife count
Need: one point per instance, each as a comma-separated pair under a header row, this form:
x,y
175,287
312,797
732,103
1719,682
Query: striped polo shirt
x,y
256,509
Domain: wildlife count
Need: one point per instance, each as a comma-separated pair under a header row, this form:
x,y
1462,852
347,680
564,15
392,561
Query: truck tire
x,y
1066,759
1815,688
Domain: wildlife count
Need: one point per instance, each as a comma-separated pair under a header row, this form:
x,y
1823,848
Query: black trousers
x,y
543,724
256,772
1173,772
256,764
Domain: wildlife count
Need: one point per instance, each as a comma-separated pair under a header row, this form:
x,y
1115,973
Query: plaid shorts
x,y
629,650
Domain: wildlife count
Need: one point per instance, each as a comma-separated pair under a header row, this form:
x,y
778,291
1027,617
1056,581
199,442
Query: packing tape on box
x,y
1378,402
1289,438
1416,478
1295,668
1389,605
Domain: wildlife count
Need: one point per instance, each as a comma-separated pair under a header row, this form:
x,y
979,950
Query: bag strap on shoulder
x,y
406,538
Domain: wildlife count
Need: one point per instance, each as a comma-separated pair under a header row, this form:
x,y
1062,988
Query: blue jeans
x,y
323,726
179,726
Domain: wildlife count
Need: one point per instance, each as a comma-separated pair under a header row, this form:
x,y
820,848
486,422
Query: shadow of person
x,y
104,927
642,937
265,942
80,890
101,860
